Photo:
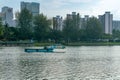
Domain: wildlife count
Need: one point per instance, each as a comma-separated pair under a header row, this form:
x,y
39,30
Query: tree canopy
x,y
41,27
93,29
1,28
25,24
71,28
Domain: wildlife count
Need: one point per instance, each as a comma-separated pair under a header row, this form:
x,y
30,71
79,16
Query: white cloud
x,y
107,5
96,7
61,3
80,1
62,7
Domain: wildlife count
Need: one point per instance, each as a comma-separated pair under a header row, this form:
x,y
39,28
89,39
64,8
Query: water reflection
x,y
8,66
78,63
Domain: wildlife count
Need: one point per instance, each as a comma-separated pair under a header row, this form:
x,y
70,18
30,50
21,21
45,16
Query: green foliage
x,y
6,32
93,29
38,28
116,34
25,24
71,28
82,35
1,28
67,29
41,27
14,34
10,33
56,36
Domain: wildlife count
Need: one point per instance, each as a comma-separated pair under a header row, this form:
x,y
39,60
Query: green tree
x,y
67,29
41,27
25,24
6,32
56,36
1,28
71,28
93,29
10,33
116,34
13,34
82,35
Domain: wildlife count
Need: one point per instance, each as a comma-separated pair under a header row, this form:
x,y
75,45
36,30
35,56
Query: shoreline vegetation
x,y
40,33
82,44
93,44
25,43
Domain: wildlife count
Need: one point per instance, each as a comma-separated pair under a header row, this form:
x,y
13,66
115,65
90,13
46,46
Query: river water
x,y
78,63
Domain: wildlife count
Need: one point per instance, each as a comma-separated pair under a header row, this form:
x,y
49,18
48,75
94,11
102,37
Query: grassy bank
x,y
92,43
82,44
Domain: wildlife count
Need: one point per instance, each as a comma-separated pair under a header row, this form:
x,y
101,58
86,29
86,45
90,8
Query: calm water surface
x,y
78,63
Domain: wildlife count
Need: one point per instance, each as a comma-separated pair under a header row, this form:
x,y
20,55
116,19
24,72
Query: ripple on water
x,y
78,63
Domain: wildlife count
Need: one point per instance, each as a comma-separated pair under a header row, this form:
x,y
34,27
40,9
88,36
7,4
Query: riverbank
x,y
82,44
43,44
16,43
66,44
93,44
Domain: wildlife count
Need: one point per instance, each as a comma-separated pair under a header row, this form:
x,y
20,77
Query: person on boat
x,y
45,47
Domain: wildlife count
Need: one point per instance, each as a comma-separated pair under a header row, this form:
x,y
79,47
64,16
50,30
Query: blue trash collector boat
x,y
54,48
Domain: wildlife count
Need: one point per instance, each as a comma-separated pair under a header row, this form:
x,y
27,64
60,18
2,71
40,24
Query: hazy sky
x,y
62,7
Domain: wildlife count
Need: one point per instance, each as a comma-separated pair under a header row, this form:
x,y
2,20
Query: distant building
x,y
69,16
0,14
7,16
32,7
86,17
75,16
107,22
73,13
58,23
116,25
83,21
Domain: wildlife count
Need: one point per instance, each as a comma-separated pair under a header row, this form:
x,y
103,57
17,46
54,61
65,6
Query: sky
x,y
51,8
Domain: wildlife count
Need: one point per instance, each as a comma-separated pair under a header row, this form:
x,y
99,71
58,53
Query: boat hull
x,y
53,48
59,50
38,50
46,50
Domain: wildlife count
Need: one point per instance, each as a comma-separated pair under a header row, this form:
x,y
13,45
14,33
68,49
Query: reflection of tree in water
x,y
6,69
31,69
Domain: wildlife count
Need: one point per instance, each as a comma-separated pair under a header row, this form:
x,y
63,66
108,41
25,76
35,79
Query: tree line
x,y
38,28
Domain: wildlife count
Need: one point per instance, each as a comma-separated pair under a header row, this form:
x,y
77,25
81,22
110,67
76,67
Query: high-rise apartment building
x,y
32,7
86,17
107,22
1,14
7,16
58,23
83,21
76,19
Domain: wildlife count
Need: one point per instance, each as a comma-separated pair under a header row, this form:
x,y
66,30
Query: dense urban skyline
x,y
62,7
